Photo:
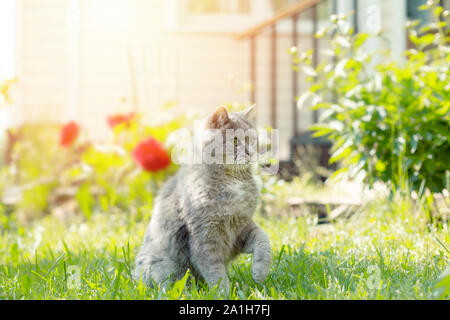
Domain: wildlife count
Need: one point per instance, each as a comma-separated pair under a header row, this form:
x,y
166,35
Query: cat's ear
x,y
219,119
250,113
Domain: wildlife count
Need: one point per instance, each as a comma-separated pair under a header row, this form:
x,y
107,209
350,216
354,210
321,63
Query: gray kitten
x,y
202,216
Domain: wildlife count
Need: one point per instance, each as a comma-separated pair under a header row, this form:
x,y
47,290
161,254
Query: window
x,y
278,5
232,15
218,6
323,7
413,13
217,15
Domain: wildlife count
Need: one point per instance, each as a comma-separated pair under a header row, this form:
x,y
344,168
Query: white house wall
x,y
200,70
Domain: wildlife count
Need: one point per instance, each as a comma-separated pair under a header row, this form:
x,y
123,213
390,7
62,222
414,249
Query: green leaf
x,y
343,41
303,98
326,115
430,165
308,70
338,173
438,10
360,39
321,130
178,287
380,166
414,143
85,200
340,68
442,286
319,34
341,153
426,39
336,125
14,253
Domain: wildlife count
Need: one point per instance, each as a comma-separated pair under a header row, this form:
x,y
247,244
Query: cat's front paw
x,y
260,271
224,287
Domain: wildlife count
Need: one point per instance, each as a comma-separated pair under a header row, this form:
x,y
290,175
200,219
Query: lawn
x,y
78,206
381,252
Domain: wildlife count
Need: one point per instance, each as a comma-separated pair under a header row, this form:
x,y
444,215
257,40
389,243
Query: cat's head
x,y
230,137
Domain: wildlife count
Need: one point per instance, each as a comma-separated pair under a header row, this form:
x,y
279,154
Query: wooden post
x,y
335,7
355,16
253,68
315,53
294,79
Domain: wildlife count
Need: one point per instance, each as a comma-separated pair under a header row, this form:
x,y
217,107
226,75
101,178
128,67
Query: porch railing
x,y
291,13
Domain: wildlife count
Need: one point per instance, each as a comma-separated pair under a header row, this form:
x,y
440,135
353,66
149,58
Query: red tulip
x,y
118,119
151,155
69,134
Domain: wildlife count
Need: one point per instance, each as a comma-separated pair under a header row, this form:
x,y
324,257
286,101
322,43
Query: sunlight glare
x,y
109,15
7,36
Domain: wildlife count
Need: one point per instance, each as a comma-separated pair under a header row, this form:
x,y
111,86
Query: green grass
x,y
380,253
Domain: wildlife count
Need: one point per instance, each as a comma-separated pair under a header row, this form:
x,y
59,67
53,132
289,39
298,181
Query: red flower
x,y
151,156
69,134
117,119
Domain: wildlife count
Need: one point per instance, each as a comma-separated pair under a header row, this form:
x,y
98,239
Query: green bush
x,y
388,120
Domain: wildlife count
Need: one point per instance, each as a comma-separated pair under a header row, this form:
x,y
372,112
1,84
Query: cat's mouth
x,y
246,158
239,171
243,162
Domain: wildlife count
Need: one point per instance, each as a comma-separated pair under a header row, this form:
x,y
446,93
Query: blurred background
x,y
78,73
83,60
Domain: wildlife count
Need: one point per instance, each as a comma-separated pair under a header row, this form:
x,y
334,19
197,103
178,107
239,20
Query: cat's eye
x,y
236,141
